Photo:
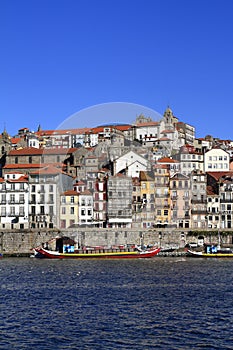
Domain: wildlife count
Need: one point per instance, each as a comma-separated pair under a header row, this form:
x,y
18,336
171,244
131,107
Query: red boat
x,y
41,252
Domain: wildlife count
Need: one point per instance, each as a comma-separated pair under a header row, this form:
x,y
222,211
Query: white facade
x,y
190,162
85,208
216,160
14,201
132,162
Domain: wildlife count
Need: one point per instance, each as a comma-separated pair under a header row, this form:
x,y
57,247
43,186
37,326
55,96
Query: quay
x,y
21,243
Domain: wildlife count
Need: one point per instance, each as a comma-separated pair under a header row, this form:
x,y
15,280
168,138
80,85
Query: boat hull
x,y
194,254
43,253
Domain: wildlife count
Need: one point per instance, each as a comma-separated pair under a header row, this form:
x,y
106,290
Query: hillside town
x,y
148,174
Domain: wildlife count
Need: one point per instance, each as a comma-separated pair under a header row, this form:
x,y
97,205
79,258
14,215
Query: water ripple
x,y
143,304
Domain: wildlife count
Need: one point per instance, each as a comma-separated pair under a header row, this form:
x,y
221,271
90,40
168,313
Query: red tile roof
x,y
77,131
31,166
167,160
40,151
70,193
48,170
21,179
218,174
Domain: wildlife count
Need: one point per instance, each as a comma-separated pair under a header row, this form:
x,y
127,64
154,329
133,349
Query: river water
x,y
159,303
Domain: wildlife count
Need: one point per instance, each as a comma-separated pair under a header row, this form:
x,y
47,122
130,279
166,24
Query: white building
x,y
216,159
131,163
85,208
45,187
14,201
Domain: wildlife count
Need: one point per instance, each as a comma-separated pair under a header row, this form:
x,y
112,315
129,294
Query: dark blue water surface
x,y
160,303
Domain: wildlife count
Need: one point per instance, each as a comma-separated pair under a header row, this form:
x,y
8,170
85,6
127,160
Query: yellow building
x,y
147,198
69,209
162,195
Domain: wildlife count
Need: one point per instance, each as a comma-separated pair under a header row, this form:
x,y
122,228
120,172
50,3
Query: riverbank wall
x,y
21,243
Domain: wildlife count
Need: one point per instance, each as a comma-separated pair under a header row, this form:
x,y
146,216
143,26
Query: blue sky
x,y
62,56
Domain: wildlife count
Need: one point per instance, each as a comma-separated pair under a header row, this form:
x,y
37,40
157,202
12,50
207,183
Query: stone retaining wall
x,y
23,242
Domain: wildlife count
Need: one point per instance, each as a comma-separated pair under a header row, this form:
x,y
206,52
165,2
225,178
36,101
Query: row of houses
x,y
145,175
52,199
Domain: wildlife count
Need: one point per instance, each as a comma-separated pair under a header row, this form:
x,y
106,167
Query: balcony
x,y
198,212
162,195
197,201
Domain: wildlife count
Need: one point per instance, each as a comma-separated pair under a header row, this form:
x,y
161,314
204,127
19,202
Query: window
x,y
33,188
71,210
63,210
21,211
12,198
51,198
50,188
12,211
83,212
165,212
63,223
72,199
63,199
30,159
3,211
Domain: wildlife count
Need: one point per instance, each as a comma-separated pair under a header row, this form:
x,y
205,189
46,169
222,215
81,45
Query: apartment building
x,y
162,195
180,200
213,208
100,200
137,203
14,192
69,209
45,187
86,216
217,160
119,201
198,181
190,159
226,201
148,199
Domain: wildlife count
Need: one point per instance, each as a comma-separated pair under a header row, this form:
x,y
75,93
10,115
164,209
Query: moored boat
x,y
41,252
211,251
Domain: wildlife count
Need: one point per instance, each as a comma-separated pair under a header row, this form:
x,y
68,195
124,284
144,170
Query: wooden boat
x,y
211,251
41,252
